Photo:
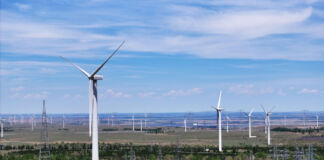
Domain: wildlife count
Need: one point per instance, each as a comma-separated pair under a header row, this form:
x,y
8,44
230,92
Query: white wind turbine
x,y
93,100
32,122
141,125
1,134
145,120
268,122
112,120
63,123
317,120
219,121
227,119
133,121
185,124
250,123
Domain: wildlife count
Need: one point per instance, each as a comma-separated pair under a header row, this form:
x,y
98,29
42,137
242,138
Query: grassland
x,y
79,134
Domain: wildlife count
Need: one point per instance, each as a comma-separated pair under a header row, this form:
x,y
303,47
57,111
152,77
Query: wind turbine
x,y
145,120
227,119
112,120
219,121
304,118
32,122
133,120
63,123
1,134
93,99
108,121
250,123
317,120
185,124
268,122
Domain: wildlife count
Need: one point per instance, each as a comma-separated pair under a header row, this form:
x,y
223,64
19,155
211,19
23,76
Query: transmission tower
x,y
178,149
310,152
299,155
160,153
44,152
132,154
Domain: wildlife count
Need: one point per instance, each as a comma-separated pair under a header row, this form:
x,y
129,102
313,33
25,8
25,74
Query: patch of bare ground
x,y
313,138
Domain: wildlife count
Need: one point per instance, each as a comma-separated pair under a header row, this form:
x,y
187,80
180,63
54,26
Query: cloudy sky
x,y
178,55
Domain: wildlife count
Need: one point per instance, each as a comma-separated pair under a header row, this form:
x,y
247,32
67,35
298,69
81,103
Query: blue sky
x,y
178,55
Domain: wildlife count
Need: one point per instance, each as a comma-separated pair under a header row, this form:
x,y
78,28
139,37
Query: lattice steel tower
x,y
44,152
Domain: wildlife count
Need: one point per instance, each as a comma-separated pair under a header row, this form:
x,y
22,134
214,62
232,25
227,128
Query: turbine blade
x,y
251,111
219,99
213,107
272,108
96,71
76,66
263,108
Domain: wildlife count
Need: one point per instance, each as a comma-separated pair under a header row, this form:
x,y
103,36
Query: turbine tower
x,y
108,121
1,134
63,123
112,120
227,119
185,124
317,120
268,112
133,121
93,99
219,121
145,120
250,123
32,122
304,118
265,125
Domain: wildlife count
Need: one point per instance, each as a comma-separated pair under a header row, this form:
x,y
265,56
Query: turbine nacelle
x,y
97,77
219,109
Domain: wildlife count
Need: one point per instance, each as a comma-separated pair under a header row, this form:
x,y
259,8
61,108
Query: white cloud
x,y
182,92
17,89
118,94
69,96
257,3
247,24
267,90
146,94
22,6
280,92
48,70
308,91
41,95
25,36
251,89
225,32
242,89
